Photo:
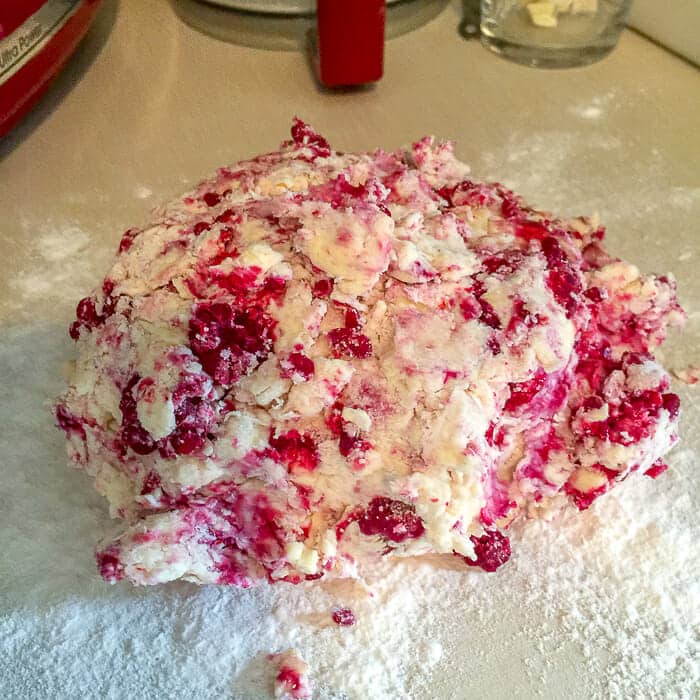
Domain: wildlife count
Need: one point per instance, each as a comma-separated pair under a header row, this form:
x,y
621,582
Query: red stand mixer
x,y
36,39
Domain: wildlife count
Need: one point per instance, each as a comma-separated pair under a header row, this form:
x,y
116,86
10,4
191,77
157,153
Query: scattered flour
x,y
142,192
591,112
596,108
605,604
529,162
64,263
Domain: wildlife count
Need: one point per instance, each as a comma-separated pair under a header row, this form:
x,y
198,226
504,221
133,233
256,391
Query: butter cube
x,y
587,480
580,7
302,557
543,14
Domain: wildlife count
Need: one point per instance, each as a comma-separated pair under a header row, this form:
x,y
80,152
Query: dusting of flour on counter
x,y
611,594
556,152
594,108
61,262
143,192
603,604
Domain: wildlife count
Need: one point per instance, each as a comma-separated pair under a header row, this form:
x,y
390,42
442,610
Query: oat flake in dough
x,y
315,359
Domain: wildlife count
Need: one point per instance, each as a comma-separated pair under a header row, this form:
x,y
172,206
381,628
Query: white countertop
x,y
148,106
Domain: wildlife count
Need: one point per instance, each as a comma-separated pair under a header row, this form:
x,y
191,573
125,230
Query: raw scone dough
x,y
292,681
315,359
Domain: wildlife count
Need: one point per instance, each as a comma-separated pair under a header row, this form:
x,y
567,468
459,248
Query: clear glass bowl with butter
x,y
553,33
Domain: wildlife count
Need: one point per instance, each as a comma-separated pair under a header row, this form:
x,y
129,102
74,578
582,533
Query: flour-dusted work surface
x,y
603,604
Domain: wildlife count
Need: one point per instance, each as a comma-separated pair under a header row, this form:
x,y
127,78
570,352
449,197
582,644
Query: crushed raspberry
x,y
242,283
341,193
499,504
565,284
343,525
611,474
232,571
128,239
522,393
194,417
672,404
470,308
491,550
86,311
187,441
228,216
109,565
531,230
553,251
150,484
240,280
656,469
304,136
510,206
344,617
521,317
297,364
495,435
547,443
211,199
292,682
348,342
350,442
595,360
630,359
297,450
448,375
200,227
229,341
487,313
273,289
504,263
322,288
255,524
595,294
138,439
468,193
584,500
224,248
394,520
133,434
349,438
305,493
593,403
493,345
69,422
352,318
334,419
630,421
562,279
